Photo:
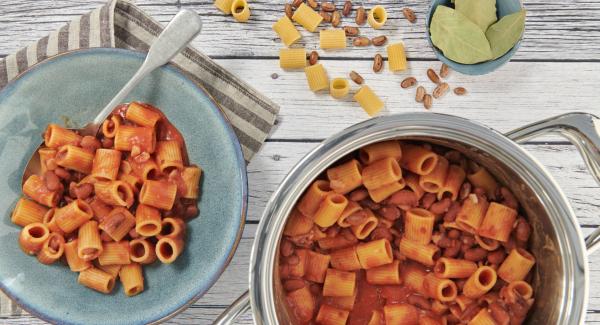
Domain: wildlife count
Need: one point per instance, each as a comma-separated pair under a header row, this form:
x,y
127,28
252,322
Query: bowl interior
x,y
69,89
503,8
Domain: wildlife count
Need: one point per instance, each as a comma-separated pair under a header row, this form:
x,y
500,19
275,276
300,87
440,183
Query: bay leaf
x,y
504,34
460,39
481,12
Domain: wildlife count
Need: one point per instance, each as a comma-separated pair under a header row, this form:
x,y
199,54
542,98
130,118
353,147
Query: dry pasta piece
x,y
158,194
110,126
224,6
132,279
396,57
401,314
240,10
418,159
345,259
142,251
35,188
316,266
32,237
418,225
482,178
454,180
141,115
169,156
52,249
434,181
385,275
89,245
447,268
380,150
311,200
147,221
471,213
376,318
483,317
76,264
56,136
115,253
73,215
351,209
75,158
303,302
96,279
191,178
329,315
332,38
168,249
383,192
330,209
317,78
345,177
381,172
106,164
516,266
480,282
498,222
115,193
377,17
368,100
424,254
339,283
308,18
374,253
444,290
297,224
286,31
26,212
292,58
339,88
127,136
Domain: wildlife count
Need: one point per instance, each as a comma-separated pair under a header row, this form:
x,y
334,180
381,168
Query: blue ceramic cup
x,y
503,8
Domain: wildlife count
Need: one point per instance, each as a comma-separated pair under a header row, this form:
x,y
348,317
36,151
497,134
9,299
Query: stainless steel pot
x,y
561,278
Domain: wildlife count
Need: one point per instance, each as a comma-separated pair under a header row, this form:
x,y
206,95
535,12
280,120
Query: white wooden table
x,y
557,70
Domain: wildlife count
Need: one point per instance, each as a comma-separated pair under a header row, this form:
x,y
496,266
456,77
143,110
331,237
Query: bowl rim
x,y
239,158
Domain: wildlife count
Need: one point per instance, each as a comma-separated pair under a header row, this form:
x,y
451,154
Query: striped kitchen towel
x,y
123,25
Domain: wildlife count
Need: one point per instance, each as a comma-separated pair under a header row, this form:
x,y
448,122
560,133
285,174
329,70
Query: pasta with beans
x,y
404,232
113,203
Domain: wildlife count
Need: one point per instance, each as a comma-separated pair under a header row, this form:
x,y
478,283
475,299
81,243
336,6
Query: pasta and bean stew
x,y
407,233
112,203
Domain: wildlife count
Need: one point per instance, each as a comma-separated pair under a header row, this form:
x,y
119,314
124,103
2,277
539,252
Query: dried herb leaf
x,y
460,39
504,34
481,12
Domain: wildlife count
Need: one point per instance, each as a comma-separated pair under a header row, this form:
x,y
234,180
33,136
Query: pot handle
x,y
239,306
581,129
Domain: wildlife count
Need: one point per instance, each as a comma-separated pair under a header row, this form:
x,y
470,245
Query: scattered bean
x,y
408,82
460,91
361,41
440,90
420,94
336,18
444,70
379,40
312,3
361,16
377,63
427,101
351,31
288,10
409,14
326,16
328,6
297,3
313,58
347,8
433,76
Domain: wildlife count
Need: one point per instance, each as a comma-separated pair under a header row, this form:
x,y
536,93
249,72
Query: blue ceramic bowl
x,y
503,7
69,89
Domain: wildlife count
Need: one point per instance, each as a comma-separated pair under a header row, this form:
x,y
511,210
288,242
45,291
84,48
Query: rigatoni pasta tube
x,y
168,249
377,17
381,172
383,192
368,100
412,181
345,303
498,222
169,156
471,213
396,57
141,115
76,264
311,200
89,245
147,221
286,31
516,266
339,88
100,209
332,39
240,10
224,6
113,270
364,229
115,253
32,237
454,180
401,314
482,178
444,290
480,282
171,227
96,279
146,170
380,150
191,178
330,209
158,194
35,188
447,268
385,275
56,136
339,283
118,223
374,253
110,126
483,317
414,278
337,242
115,193
106,164
345,177
316,76
297,224
517,288
345,259
26,212
434,181
304,303
292,58
376,318
316,266
45,155
128,136
350,209
418,159
75,158
329,315
132,279
424,254
73,215
52,249
142,251
418,225
308,18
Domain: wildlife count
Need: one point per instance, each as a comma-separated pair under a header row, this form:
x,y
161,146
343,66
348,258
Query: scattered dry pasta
x,y
368,100
377,17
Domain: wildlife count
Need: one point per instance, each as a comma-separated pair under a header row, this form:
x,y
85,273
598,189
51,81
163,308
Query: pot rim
x,y
409,125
